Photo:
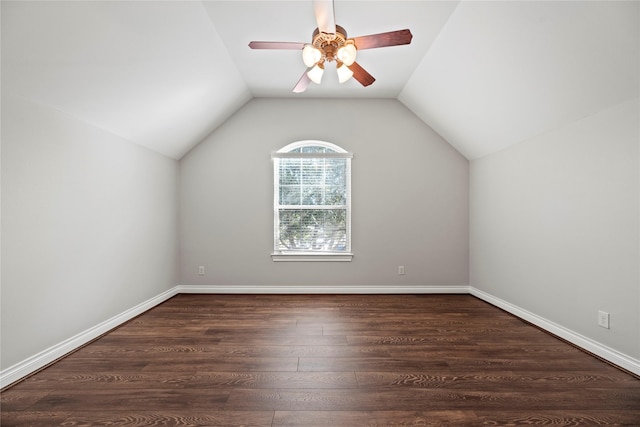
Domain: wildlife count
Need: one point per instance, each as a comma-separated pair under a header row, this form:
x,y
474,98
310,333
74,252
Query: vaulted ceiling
x,y
484,75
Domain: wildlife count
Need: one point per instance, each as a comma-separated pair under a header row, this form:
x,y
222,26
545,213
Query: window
x,y
312,202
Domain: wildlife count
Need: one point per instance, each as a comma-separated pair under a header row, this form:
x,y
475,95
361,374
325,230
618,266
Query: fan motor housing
x,y
329,44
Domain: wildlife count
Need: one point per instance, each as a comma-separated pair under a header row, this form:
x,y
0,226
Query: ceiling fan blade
x,y
361,75
303,83
392,38
276,45
325,16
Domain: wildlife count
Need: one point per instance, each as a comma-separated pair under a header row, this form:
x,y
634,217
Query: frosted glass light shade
x,y
310,55
315,74
344,73
347,54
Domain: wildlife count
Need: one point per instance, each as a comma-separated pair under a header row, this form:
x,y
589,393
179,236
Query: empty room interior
x,y
493,158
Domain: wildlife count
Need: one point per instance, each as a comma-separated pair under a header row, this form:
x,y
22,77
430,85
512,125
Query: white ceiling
x,y
484,75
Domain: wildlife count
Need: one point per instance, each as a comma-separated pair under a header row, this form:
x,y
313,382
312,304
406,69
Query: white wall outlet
x,y
603,319
201,270
401,270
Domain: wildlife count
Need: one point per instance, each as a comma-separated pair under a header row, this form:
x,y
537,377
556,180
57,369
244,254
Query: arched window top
x,y
311,146
310,149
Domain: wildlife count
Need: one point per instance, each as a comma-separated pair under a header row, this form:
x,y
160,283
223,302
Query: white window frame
x,y
285,152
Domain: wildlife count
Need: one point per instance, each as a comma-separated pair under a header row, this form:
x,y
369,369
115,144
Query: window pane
x,y
313,195
314,149
336,172
290,195
313,171
313,230
290,171
314,181
335,196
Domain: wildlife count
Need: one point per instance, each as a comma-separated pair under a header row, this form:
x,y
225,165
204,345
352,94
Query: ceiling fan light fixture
x,y
311,55
347,53
344,73
315,74
329,43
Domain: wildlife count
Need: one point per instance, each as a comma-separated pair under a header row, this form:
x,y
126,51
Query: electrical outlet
x,y
401,270
201,270
603,319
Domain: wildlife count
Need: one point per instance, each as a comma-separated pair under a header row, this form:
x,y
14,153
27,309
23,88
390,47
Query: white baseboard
x,y
34,363
305,289
594,347
42,359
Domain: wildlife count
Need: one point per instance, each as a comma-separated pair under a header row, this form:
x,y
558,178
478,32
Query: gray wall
x,y
409,189
554,226
89,227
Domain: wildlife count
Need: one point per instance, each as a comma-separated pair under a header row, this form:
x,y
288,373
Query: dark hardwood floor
x,y
325,360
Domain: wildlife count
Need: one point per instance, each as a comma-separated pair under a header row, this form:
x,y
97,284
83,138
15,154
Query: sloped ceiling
x,y
485,75
502,72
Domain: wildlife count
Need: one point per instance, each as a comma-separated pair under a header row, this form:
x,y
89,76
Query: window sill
x,y
311,257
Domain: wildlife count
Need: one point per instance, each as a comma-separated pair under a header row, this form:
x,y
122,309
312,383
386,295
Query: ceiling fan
x,y
330,43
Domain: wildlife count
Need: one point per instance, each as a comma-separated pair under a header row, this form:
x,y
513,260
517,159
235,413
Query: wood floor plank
x,y
233,364
20,399
52,379
367,363
576,381
290,340
373,418
217,418
110,399
275,380
319,360
597,417
234,350
417,399
392,340
33,419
